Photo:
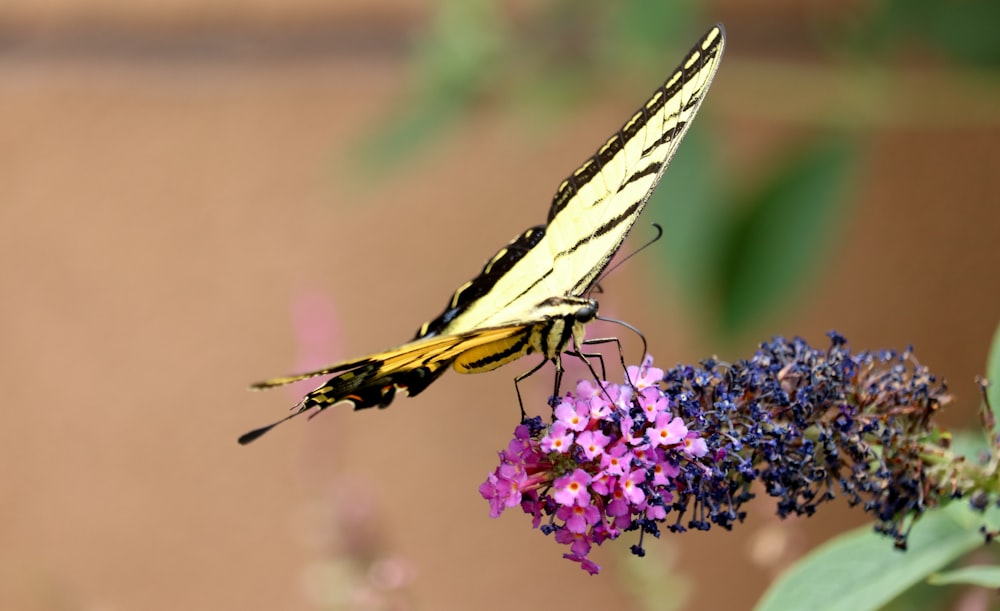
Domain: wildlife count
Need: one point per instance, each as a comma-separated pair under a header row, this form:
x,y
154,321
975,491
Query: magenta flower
x,y
616,461
653,403
667,431
572,489
578,518
559,439
592,443
575,415
695,445
594,472
631,487
645,376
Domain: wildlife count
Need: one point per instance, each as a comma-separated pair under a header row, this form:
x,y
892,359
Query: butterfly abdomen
x,y
560,320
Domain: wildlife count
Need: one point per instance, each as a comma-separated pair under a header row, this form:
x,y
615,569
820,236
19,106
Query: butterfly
x,y
532,296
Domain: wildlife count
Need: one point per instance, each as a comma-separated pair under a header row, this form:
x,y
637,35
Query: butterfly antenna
x,y
607,272
246,438
645,346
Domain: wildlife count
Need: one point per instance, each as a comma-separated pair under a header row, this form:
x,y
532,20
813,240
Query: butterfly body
x,y
530,298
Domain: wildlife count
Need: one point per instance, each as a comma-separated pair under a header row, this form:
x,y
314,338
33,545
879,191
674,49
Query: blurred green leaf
x,y
861,570
642,31
970,444
455,59
985,576
656,581
688,205
993,374
921,596
780,231
552,55
964,30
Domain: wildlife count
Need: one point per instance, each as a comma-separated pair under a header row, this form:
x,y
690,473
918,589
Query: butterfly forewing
x,y
596,206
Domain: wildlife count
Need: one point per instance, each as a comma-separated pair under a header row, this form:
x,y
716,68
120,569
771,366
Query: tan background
x,y
162,214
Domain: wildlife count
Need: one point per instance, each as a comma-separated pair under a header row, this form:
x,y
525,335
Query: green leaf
x,y
688,204
783,228
969,444
650,32
993,374
968,34
985,576
861,570
454,61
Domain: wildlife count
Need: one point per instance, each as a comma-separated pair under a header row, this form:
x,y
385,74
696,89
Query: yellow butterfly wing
x,y
593,209
529,297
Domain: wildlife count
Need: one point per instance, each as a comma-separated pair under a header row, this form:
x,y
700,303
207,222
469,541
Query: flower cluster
x,y
602,467
686,445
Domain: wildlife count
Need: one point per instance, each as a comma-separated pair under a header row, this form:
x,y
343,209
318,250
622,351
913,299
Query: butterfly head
x,y
578,309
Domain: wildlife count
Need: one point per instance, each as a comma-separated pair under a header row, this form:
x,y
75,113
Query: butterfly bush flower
x,y
682,449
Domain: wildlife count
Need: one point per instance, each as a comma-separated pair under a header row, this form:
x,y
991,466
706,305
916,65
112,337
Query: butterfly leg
x,y
621,352
558,382
608,340
583,356
517,388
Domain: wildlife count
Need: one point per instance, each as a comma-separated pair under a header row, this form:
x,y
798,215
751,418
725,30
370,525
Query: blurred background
x,y
194,196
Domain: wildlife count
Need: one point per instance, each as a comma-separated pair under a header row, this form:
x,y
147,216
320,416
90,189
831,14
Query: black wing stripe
x,y
666,137
493,271
665,92
651,169
541,278
511,350
603,229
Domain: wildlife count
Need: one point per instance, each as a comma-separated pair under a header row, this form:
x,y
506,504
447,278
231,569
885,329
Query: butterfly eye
x,y
587,313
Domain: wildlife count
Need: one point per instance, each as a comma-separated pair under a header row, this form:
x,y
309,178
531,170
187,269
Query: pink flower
x,y
559,439
620,395
616,460
653,403
644,376
655,512
593,443
575,415
629,430
631,487
663,471
578,519
572,489
695,445
667,431
586,390
599,468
